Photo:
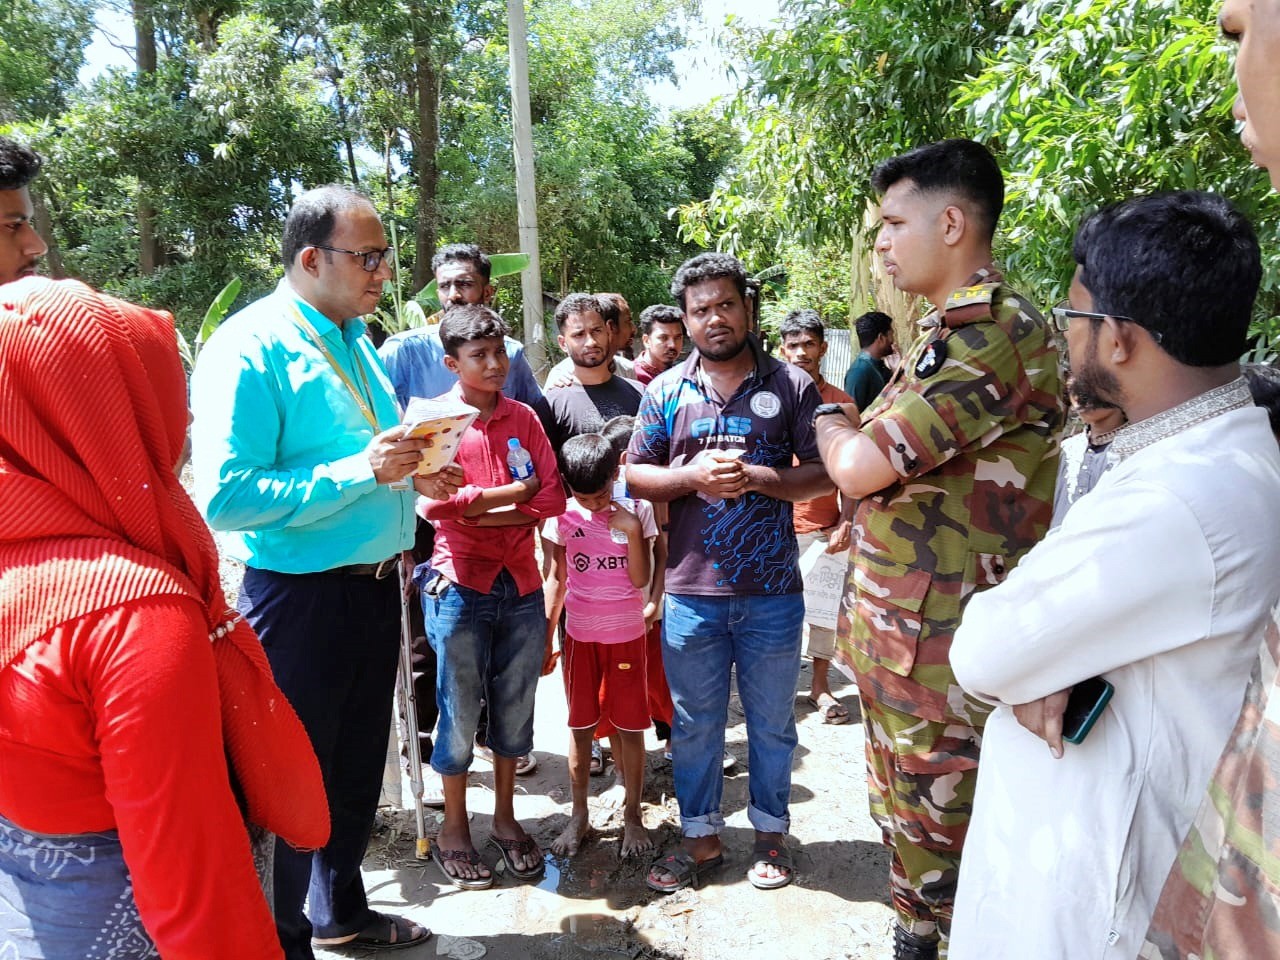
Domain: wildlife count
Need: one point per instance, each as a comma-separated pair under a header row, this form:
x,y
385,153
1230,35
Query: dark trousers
x,y
423,657
332,640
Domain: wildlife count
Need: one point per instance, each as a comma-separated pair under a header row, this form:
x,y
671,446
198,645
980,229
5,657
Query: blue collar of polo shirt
x,y
765,364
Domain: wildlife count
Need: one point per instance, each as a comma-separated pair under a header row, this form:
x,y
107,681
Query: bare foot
x,y
566,845
635,839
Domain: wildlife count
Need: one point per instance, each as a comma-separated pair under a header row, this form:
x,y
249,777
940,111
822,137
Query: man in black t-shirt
x,y
596,395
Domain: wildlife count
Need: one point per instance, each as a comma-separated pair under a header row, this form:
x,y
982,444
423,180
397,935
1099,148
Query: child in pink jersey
x,y
601,552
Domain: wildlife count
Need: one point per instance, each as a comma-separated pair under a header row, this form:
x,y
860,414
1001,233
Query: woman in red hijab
x,y
139,725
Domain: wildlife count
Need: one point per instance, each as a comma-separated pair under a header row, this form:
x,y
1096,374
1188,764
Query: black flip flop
x,y
366,939
687,871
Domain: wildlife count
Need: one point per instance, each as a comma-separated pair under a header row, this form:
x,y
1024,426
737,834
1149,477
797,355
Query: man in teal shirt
x,y
298,460
868,373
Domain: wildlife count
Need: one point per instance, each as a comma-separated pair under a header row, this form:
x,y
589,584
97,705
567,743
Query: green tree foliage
x,y
165,181
608,167
41,51
804,278
389,66
824,97
1084,102
1093,102
219,134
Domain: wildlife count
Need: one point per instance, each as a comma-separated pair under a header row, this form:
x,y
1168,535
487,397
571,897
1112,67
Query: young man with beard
x,y
1222,898
1154,581
594,394
415,358
617,314
727,439
662,333
20,246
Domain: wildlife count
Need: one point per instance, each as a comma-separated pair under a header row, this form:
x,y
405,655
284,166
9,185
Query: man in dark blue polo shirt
x,y
718,437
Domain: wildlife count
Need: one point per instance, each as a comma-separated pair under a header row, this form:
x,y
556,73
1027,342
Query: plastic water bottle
x,y
618,536
518,460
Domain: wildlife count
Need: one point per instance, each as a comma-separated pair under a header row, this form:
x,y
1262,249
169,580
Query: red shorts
x,y
659,695
605,682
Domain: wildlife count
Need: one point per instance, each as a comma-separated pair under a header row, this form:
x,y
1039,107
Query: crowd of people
x,y
1059,602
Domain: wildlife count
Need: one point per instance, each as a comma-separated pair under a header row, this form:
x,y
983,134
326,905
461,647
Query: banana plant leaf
x,y
218,310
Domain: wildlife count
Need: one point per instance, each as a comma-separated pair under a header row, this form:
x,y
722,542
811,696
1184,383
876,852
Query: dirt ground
x,y
597,906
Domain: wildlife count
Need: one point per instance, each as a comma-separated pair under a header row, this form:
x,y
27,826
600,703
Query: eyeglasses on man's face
x,y
1063,313
370,260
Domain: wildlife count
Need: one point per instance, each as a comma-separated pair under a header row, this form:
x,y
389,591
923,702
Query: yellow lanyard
x,y
315,338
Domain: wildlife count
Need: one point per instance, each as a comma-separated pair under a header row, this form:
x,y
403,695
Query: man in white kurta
x,y
1158,580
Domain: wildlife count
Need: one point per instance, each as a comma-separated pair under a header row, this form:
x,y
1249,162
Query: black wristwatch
x,y
823,409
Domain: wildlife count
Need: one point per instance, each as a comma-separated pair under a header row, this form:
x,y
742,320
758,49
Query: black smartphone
x,y
1085,705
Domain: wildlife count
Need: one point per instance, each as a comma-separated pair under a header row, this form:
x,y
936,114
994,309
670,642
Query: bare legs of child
x,y
629,759
455,834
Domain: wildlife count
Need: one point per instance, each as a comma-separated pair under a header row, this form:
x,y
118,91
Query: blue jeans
x,y
488,646
702,638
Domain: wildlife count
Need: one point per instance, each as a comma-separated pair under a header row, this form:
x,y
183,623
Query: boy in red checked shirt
x,y
482,604
600,567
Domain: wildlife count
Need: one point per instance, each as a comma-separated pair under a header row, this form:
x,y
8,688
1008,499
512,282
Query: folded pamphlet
x,y
443,421
823,575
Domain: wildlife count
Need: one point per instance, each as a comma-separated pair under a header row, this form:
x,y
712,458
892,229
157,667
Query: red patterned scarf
x,y
93,418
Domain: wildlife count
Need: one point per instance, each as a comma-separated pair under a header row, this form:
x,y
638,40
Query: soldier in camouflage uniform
x,y
955,466
1222,899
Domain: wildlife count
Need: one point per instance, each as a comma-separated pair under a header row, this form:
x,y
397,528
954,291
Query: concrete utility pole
x,y
526,196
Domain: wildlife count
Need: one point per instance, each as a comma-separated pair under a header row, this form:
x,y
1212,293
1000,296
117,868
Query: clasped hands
x,y
721,474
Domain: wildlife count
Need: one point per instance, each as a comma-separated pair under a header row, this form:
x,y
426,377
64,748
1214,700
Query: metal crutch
x,y
409,716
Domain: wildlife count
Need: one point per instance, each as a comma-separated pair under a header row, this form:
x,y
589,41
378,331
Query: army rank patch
x,y
969,296
931,361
